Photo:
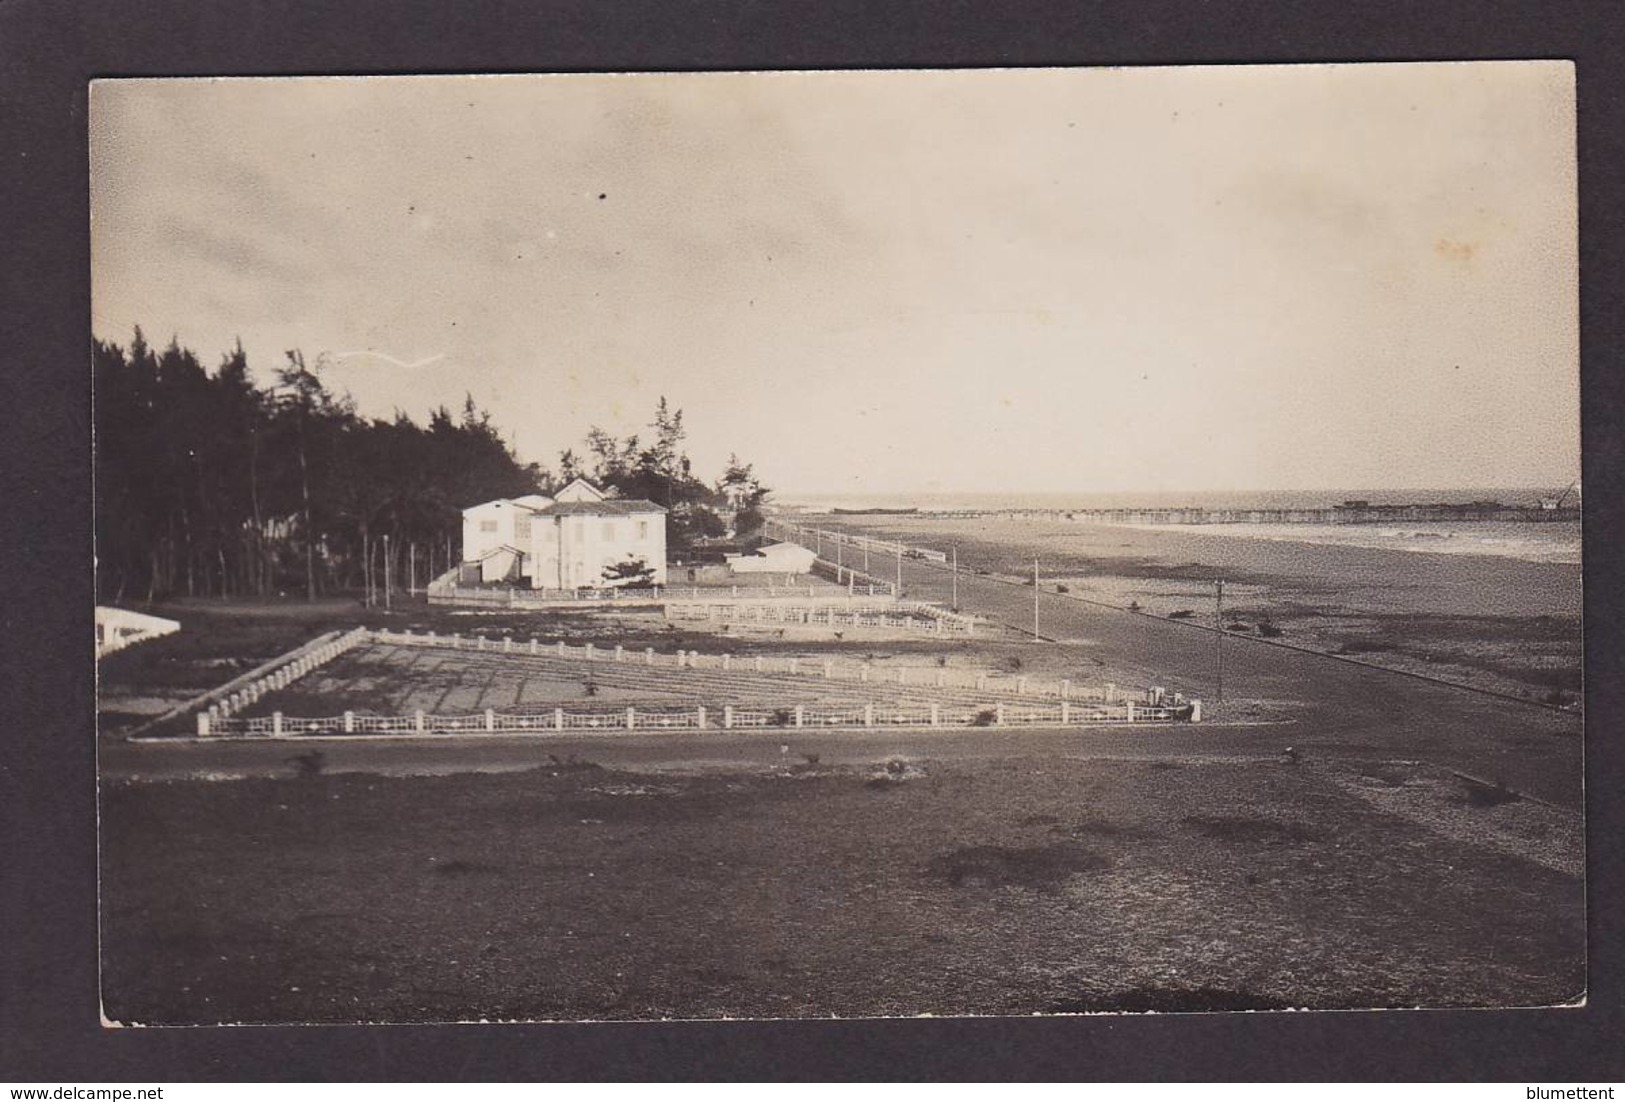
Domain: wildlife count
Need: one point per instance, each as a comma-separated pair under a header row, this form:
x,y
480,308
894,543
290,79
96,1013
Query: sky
x,y
1043,280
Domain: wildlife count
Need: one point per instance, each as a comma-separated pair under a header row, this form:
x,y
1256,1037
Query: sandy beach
x,y
1492,621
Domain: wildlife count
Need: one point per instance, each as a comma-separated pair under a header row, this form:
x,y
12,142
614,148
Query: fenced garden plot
x,y
529,686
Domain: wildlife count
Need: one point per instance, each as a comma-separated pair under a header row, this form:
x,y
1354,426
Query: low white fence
x,y
926,619
818,537
699,718
291,668
450,593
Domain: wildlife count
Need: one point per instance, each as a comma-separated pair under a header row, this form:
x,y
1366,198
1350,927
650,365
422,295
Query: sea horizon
x,y
953,500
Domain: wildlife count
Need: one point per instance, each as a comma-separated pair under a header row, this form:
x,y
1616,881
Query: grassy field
x,y
814,889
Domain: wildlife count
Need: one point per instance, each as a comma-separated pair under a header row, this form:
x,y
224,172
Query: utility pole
x,y
412,568
386,572
955,604
1035,599
1218,641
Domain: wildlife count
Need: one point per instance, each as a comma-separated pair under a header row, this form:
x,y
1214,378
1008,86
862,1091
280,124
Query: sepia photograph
x,y
837,544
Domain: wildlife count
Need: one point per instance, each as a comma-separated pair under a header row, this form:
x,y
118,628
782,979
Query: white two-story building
x,y
564,542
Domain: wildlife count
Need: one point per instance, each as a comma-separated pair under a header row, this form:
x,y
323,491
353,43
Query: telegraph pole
x,y
1218,641
386,571
1035,600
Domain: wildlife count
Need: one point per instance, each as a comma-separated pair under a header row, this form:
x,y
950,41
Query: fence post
x,y
507,643
798,715
728,715
590,652
631,718
203,723
560,648
417,721
1111,692
727,661
533,644
1131,709
699,717
490,719
619,651
936,720
648,656
868,715
1196,711
1066,711
349,722
998,714
276,723
558,719
936,625
1066,688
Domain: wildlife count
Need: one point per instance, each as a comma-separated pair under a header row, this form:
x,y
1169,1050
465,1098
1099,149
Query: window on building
x,y
609,531
488,526
643,529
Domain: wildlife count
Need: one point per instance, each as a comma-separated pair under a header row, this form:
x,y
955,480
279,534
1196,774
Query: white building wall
x,y
587,543
490,526
784,558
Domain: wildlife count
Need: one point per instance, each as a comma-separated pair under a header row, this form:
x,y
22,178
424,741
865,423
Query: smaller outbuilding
x,y
774,558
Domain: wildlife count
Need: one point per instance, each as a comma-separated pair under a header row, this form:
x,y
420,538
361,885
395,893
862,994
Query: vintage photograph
x,y
772,545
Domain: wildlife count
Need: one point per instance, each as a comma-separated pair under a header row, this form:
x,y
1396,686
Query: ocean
x,y
1553,542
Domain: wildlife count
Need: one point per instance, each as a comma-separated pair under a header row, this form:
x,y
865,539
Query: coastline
x,y
1507,624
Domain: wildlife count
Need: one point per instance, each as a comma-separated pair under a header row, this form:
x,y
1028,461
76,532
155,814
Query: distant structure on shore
x,y
1354,511
1550,510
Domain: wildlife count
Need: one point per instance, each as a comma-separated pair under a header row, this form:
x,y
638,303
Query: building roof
x,y
501,548
609,507
533,501
580,489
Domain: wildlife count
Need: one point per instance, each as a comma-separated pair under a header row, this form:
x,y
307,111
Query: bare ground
x,y
815,889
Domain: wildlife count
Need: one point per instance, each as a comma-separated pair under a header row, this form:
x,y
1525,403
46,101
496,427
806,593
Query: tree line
x,y
210,484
